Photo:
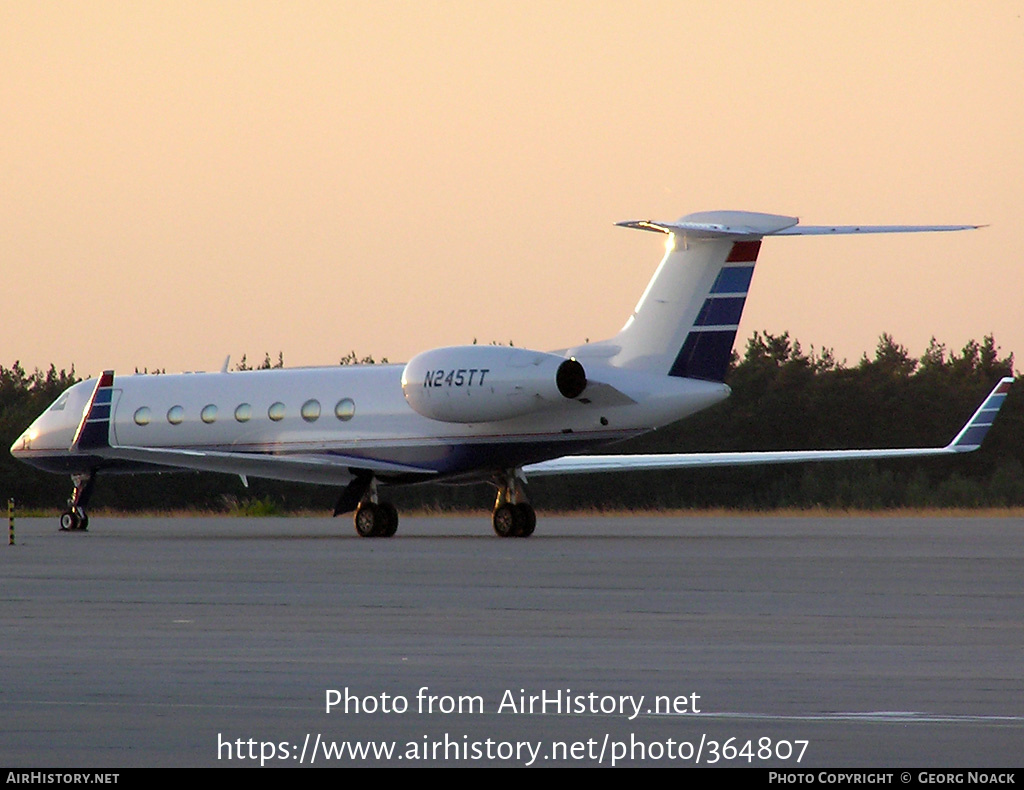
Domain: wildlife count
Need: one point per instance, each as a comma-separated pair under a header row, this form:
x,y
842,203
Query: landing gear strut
x,y
374,518
513,516
75,519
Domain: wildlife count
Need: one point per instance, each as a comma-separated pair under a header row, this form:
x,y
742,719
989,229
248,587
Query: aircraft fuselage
x,y
351,411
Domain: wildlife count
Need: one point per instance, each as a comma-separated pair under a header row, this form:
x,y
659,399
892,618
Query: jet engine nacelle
x,y
487,383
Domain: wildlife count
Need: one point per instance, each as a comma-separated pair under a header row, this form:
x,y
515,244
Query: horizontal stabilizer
x,y
740,224
969,438
718,224
841,230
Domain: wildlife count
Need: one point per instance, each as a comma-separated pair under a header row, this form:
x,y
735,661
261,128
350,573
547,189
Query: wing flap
x,y
326,468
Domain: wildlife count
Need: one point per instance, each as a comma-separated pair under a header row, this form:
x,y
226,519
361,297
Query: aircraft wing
x,y
329,466
968,439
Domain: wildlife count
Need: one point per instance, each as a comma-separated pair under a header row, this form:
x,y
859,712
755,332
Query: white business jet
x,y
457,414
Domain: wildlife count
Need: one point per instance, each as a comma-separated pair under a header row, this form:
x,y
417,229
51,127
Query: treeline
x,y
783,398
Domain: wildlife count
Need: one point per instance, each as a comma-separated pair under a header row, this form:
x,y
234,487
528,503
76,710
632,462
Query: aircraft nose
x,y
22,443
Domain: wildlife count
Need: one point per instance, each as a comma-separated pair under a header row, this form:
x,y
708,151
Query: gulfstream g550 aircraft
x,y
457,414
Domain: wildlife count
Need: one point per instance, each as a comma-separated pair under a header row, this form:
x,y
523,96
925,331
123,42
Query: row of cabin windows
x,y
344,410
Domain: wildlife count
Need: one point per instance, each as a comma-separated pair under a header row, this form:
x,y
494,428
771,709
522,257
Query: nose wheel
x,y
75,519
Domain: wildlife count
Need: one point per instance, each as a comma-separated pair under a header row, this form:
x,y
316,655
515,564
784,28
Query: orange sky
x,y
181,181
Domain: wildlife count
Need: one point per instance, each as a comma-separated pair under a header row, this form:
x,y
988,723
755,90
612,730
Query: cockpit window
x,y
61,402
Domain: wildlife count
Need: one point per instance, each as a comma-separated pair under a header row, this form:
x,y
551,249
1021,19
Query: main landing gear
x,y
513,516
75,519
373,519
376,519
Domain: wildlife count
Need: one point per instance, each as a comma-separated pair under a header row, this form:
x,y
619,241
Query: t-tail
x,y
686,321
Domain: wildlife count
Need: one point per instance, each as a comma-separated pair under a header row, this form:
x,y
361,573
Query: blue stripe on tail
x,y
705,355
707,350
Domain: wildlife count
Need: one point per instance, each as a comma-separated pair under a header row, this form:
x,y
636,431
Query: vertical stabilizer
x,y
685,323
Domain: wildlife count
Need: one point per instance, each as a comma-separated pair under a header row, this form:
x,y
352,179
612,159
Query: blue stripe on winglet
x,y
994,402
973,436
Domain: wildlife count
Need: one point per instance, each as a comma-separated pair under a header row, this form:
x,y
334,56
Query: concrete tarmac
x,y
785,642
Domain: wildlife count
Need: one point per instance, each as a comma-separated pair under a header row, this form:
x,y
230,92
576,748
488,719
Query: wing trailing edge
x,y
326,468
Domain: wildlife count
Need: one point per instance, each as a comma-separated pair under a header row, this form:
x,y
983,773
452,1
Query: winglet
x,y
94,429
972,434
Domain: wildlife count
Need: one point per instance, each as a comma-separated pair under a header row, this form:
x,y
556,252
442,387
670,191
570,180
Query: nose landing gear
x,y
75,519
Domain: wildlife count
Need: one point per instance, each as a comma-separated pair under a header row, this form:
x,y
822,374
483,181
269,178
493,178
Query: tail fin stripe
x,y
744,252
705,355
707,350
722,311
733,280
